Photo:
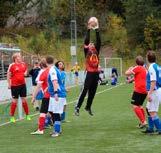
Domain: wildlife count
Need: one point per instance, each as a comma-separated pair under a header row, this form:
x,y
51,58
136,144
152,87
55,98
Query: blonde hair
x,y
15,55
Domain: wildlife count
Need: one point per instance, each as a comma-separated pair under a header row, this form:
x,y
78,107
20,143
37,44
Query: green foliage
x,y
136,13
117,35
152,32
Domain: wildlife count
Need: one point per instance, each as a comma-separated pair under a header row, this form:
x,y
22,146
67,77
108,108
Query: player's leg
x,y
57,109
13,106
137,102
63,115
91,93
23,93
41,120
36,103
82,95
48,121
153,108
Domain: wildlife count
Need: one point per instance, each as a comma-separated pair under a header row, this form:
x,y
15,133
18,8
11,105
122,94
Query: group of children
x,y
52,82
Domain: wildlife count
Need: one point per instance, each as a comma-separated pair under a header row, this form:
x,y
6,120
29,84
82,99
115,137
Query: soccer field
x,y
112,129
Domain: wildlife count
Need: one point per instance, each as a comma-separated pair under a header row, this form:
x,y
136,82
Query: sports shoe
x,y
147,131
89,111
28,118
142,126
38,132
76,112
12,120
55,134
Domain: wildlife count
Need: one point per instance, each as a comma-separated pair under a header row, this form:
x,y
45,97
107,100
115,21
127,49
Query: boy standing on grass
x,y
43,84
153,94
57,92
60,65
139,93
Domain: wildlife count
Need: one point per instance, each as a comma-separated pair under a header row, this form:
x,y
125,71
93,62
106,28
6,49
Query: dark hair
x,y
36,62
139,60
57,64
151,57
49,60
43,63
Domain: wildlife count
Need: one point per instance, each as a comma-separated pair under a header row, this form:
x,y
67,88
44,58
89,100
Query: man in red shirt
x,y
139,94
16,82
42,84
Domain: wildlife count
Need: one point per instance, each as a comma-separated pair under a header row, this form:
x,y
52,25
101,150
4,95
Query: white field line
x,y
71,102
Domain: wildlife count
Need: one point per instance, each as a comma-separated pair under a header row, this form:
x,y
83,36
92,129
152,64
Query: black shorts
x,y
44,105
17,91
138,98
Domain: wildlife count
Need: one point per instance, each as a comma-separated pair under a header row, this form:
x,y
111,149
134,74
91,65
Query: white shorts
x,y
56,106
159,95
65,101
153,106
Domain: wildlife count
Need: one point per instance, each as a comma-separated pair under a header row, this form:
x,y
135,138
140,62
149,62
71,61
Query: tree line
x,y
130,26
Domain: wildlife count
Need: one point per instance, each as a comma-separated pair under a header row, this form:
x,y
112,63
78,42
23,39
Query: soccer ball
x,y
93,22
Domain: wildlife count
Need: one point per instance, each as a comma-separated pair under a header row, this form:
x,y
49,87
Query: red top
x,y
43,79
92,60
139,79
17,71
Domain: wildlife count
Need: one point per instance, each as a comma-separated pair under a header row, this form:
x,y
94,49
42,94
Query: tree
x,y
152,32
135,16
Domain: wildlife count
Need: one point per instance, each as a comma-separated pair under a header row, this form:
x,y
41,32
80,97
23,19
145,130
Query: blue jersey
x,y
152,75
63,77
55,74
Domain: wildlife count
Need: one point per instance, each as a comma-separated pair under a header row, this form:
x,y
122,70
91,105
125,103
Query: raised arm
x,y
98,41
87,38
86,41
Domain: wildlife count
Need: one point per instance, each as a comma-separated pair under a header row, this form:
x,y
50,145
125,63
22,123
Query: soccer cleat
x,y
55,134
148,131
38,132
28,118
89,111
142,126
12,120
76,111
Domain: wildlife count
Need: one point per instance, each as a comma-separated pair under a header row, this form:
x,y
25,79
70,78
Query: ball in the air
x,y
93,22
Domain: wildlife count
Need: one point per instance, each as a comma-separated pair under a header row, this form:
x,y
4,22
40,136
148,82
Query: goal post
x,y
109,63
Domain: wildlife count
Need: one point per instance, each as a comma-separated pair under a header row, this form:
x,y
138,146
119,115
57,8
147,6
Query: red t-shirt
x,y
43,79
139,79
17,71
92,60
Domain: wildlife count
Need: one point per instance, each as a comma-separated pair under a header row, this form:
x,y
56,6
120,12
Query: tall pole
x,y
73,26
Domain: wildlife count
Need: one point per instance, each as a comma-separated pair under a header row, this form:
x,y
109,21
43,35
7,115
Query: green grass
x,y
112,129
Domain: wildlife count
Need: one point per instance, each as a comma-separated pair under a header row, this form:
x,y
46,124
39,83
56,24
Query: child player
x,y
139,93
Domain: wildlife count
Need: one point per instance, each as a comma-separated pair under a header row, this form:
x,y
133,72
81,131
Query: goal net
x,y
109,63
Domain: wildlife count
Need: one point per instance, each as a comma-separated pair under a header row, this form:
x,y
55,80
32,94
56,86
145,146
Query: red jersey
x,y
139,79
43,79
17,71
92,60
